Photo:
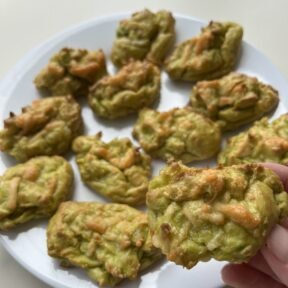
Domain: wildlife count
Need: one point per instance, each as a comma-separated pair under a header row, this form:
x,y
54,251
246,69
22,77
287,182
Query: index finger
x,y
281,171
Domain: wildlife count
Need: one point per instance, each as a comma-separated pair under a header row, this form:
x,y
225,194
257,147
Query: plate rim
x,y
10,79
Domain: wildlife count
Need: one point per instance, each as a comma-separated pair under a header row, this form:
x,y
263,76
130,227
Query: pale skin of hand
x,y
269,268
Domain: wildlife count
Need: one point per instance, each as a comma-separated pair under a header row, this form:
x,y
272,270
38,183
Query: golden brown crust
x,y
224,213
135,86
72,71
233,100
33,190
209,55
46,127
177,134
263,142
144,36
116,169
111,241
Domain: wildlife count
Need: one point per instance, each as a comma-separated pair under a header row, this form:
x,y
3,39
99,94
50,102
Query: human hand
x,y
269,268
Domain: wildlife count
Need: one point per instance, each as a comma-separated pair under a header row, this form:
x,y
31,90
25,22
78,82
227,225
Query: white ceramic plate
x,y
28,243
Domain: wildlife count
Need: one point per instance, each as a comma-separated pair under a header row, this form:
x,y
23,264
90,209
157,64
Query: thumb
x,y
243,276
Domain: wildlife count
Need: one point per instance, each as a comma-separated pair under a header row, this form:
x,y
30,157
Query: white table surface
x,y
25,24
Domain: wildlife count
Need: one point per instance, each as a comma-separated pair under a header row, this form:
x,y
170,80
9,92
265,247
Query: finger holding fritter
x,y
222,213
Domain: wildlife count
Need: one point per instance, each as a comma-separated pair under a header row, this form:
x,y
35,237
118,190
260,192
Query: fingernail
x,y
285,223
227,274
278,243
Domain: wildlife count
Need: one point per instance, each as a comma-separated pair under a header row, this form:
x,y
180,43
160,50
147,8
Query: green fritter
x,y
116,169
46,127
111,242
72,71
263,142
177,134
145,35
221,213
135,86
234,100
33,190
210,55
